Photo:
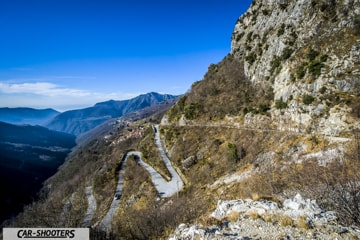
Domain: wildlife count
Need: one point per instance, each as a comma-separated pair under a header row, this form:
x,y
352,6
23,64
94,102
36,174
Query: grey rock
x,y
188,162
284,24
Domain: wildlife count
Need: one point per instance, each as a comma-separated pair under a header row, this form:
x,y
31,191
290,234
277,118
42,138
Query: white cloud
x,y
50,95
41,88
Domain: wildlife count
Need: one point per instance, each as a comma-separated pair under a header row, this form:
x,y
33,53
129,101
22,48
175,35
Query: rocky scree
x,y
295,218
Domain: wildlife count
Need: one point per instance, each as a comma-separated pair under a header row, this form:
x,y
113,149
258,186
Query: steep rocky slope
x,y
303,57
280,113
309,51
277,117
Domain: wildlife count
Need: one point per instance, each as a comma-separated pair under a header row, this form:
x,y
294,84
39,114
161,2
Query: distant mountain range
x,y
27,115
153,113
82,120
35,142
29,155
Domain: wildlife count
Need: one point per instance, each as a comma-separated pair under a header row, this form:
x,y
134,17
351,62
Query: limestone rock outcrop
x,y
308,51
297,218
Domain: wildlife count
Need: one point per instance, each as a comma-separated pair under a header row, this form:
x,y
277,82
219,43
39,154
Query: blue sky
x,y
69,54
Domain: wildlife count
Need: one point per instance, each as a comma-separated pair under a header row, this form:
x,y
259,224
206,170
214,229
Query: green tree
x,y
233,153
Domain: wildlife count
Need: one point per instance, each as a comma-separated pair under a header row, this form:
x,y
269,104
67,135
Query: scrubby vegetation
x,y
149,150
221,151
307,99
280,104
224,90
313,66
334,185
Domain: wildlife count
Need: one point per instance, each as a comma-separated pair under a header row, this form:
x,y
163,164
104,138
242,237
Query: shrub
x,y
263,108
300,71
281,30
357,25
286,53
307,99
312,54
245,110
239,36
192,110
233,153
314,3
216,143
315,68
265,12
355,110
324,58
322,89
251,58
234,92
175,112
292,78
342,189
249,37
275,63
293,34
283,5
280,104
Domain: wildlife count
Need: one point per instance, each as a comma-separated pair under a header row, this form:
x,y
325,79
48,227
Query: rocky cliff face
x,y
309,52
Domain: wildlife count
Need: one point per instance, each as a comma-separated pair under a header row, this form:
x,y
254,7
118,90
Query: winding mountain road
x,y
91,207
164,188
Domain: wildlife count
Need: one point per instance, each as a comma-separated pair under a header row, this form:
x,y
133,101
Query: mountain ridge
x,y
82,120
23,115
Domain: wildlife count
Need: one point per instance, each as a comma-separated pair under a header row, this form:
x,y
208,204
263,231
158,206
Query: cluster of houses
x,y
130,132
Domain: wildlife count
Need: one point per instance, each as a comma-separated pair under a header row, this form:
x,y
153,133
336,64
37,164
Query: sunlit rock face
x,y
308,51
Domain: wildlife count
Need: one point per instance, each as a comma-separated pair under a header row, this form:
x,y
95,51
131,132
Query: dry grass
x,y
273,198
224,90
255,196
233,216
301,222
268,217
252,214
285,220
151,153
207,220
